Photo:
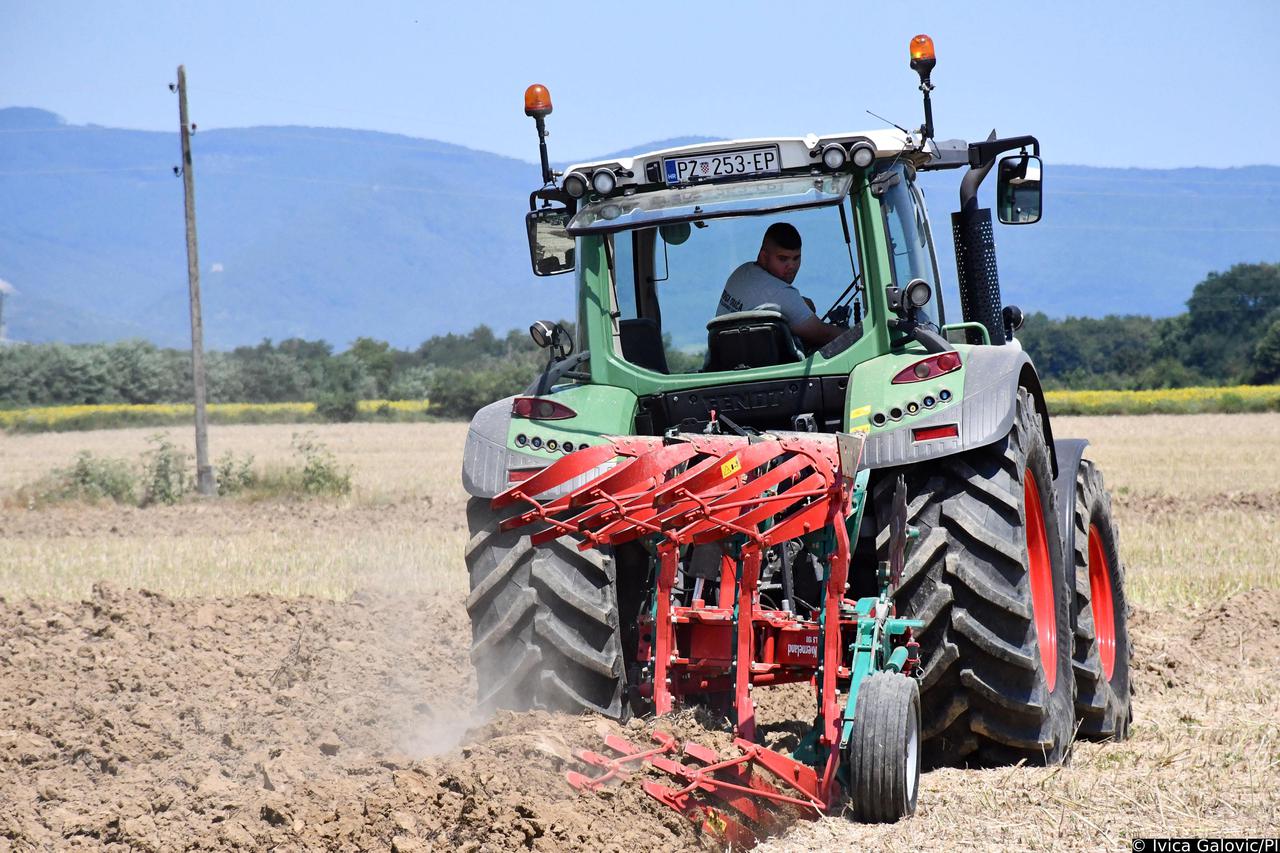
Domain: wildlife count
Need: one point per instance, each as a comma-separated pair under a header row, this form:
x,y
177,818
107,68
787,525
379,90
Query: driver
x,y
768,279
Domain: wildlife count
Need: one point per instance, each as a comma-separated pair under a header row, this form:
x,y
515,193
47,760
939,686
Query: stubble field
x,y
294,673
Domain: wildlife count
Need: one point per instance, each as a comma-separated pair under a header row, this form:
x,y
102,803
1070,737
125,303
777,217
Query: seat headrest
x,y
765,313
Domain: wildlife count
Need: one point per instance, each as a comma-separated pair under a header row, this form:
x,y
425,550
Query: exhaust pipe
x,y
976,271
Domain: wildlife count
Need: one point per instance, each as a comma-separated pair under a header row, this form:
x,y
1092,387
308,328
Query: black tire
x,y
985,694
1103,706
544,621
883,756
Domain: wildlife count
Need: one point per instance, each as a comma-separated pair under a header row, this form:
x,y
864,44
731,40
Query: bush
x,y
90,478
165,478
338,408
321,473
235,475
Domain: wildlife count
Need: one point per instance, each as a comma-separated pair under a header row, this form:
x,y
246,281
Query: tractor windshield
x,y
709,201
668,279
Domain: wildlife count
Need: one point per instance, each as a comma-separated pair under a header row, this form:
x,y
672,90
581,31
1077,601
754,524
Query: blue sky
x,y
1106,84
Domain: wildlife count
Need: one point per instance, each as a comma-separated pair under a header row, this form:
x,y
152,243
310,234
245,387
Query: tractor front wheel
x,y
544,621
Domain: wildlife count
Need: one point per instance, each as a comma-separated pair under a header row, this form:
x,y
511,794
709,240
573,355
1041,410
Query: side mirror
x,y
550,246
1018,189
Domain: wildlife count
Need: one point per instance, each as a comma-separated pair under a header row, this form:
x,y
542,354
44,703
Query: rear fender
x,y
486,458
491,452
1069,452
984,412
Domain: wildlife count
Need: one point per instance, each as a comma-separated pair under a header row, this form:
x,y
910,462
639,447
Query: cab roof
x,y
795,152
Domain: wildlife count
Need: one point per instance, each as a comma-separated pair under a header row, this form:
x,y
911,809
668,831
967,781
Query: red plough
x,y
742,496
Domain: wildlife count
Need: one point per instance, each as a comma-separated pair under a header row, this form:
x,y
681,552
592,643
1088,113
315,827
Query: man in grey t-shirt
x,y
768,279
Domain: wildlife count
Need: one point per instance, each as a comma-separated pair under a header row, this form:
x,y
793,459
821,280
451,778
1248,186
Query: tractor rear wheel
x,y
1102,650
987,577
544,621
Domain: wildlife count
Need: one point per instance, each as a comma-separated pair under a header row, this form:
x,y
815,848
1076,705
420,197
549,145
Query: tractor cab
x,y
658,235
652,240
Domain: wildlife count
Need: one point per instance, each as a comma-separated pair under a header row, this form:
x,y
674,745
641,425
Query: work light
x,y
833,155
603,181
575,184
863,153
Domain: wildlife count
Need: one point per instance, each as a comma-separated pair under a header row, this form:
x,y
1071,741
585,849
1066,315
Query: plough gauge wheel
x,y
883,757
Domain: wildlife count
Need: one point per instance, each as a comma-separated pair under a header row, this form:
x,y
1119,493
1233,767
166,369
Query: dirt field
x,y
295,675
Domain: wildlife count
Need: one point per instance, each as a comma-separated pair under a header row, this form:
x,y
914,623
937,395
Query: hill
x,y
331,233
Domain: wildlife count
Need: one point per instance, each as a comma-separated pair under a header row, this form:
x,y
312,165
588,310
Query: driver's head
x,y
780,251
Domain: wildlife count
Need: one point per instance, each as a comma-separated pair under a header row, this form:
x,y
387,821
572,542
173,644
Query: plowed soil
x,y
133,720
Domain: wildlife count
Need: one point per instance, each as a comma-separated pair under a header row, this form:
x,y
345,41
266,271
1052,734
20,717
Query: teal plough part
x,y
823,544
873,651
872,648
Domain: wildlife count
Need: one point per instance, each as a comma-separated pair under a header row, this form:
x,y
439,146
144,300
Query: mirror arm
x,y
556,370
982,156
550,194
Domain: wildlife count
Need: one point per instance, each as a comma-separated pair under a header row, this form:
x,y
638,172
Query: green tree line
x,y
1230,334
458,373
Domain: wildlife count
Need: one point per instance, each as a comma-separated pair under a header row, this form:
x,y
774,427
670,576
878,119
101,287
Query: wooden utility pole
x,y
204,472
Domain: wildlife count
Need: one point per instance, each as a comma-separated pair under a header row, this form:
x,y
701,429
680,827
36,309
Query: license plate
x,y
722,164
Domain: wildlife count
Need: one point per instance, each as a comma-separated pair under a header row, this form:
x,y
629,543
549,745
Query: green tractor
x,y
1013,577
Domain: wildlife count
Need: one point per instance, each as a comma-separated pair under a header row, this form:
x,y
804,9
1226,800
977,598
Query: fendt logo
x,y
744,401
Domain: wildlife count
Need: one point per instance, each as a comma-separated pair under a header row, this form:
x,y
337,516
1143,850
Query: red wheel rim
x,y
1043,608
1104,612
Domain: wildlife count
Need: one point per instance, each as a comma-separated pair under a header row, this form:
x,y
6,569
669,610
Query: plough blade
x,y
737,782
715,822
616,768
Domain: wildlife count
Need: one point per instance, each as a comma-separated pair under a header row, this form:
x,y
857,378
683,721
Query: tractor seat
x,y
642,343
746,339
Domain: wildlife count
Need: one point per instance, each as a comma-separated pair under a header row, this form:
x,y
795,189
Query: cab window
x,y
907,226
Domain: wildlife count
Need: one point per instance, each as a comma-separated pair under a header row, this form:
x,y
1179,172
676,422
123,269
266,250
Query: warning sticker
x,y
733,466
860,413
860,428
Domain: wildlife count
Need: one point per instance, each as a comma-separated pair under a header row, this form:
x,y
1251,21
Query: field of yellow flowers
x,y
1168,401
1172,401
111,416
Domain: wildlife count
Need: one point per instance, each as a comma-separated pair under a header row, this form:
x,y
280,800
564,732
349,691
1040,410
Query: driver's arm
x,y
814,332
